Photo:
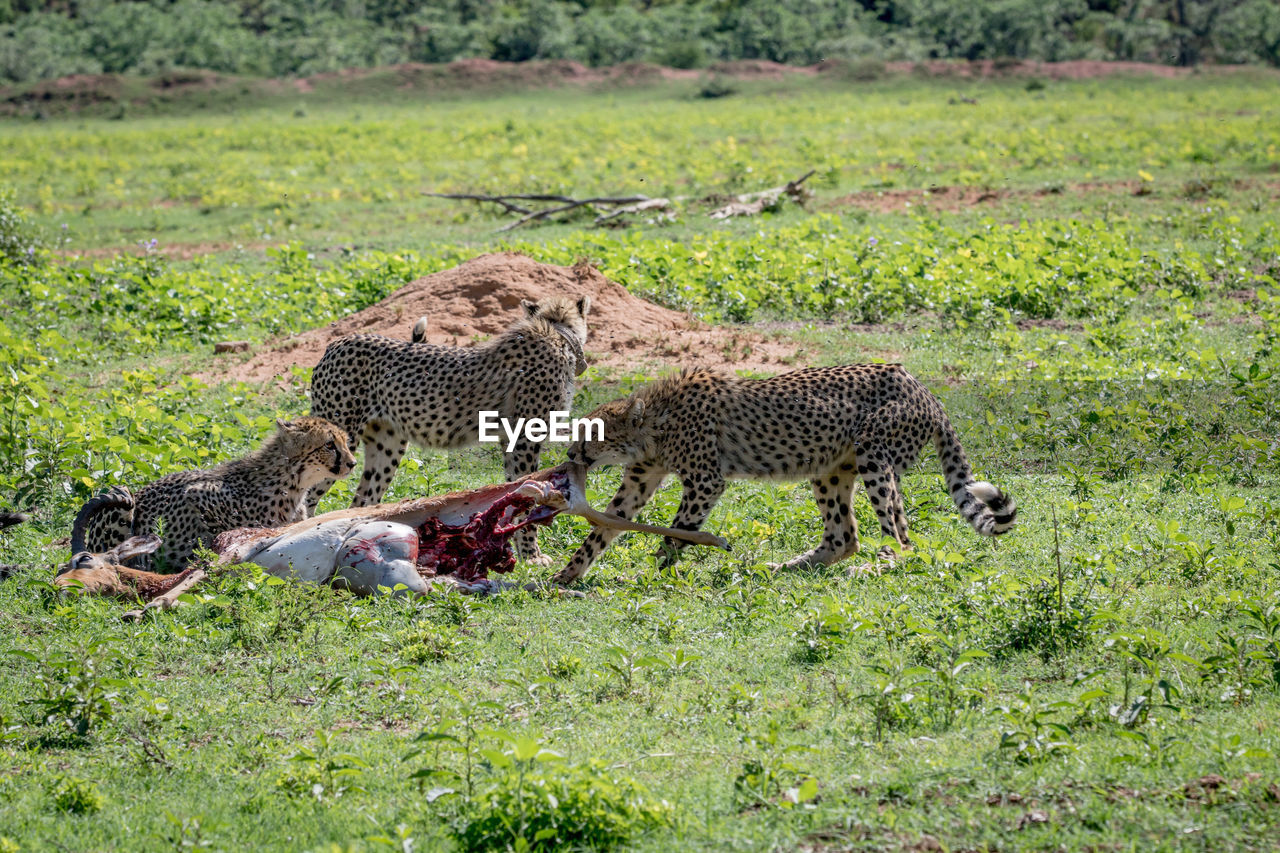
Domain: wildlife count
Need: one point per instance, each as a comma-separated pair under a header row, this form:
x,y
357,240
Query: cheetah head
x,y
628,437
561,311
567,315
321,448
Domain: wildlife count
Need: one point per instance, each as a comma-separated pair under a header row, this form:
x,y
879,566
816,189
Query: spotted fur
x,y
266,488
390,393
828,425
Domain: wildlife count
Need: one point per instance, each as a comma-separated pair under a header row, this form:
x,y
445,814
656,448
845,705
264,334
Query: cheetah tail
x,y
115,497
9,519
990,511
419,331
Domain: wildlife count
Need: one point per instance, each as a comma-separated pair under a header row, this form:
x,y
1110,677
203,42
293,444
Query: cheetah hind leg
x,y
833,493
884,488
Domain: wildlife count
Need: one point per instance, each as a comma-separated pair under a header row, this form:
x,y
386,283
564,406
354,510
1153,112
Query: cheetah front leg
x,y
700,494
833,493
383,450
314,495
638,485
522,460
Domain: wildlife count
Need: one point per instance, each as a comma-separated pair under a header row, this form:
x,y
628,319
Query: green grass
x,y
352,172
1107,358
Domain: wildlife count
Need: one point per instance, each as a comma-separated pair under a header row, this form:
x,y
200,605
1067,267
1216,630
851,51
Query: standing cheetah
x,y
829,425
266,488
389,393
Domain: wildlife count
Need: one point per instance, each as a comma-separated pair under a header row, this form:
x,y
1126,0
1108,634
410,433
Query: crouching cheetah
x,y
829,425
266,488
388,393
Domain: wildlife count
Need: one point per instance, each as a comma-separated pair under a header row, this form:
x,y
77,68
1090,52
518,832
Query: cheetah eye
x,y
331,446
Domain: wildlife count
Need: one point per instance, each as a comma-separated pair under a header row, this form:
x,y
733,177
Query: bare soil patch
x,y
172,251
1079,69
952,199
482,297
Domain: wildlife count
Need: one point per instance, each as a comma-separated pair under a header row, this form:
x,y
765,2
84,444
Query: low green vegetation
x,y
1108,674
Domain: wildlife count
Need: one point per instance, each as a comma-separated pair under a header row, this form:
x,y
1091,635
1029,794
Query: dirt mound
x,y
481,298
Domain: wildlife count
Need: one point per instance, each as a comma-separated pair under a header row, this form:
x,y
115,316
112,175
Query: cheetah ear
x,y
530,308
584,305
287,426
635,412
135,547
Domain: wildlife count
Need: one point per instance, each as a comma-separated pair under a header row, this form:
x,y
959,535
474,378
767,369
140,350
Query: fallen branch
x,y
750,204
661,204
609,208
559,204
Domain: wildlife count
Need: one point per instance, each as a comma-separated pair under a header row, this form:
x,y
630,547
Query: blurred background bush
x,y
51,38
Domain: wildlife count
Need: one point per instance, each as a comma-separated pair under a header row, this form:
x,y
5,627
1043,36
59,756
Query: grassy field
x,y
1100,316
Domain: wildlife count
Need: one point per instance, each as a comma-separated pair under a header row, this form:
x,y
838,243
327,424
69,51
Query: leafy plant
x,y
770,777
824,631
1032,732
892,691
425,643
74,692
564,666
19,242
75,796
534,800
322,771
622,665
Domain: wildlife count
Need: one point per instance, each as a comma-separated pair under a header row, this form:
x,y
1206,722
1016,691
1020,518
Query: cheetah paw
x,y
554,590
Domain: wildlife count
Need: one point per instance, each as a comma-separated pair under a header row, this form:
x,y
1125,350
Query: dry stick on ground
x,y
750,204
747,203
560,204
639,207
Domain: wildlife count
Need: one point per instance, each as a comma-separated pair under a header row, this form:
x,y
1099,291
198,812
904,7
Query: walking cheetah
x,y
388,393
828,425
266,488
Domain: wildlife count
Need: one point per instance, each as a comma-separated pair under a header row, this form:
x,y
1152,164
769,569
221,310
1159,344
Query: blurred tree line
x,y
50,38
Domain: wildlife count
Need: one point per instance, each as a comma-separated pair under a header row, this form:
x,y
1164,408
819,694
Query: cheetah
x,y
390,392
266,488
829,425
